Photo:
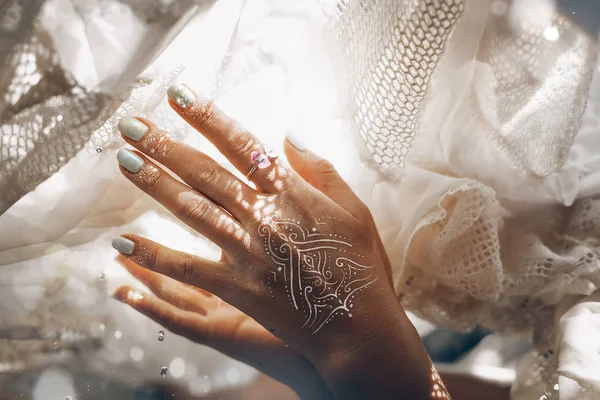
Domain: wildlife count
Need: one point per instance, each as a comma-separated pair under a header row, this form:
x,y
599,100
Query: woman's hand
x,y
300,253
206,319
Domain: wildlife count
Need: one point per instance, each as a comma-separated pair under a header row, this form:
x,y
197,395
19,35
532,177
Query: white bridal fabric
x,y
468,126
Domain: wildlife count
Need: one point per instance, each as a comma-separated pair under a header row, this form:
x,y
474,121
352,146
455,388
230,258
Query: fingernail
x,y
129,160
181,95
130,297
294,141
123,246
132,128
134,295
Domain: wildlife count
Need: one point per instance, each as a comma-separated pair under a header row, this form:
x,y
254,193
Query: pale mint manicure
x,y
123,246
294,141
181,95
129,160
132,128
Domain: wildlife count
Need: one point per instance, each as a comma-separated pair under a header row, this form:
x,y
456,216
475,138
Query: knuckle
x,y
325,167
196,209
188,269
206,172
328,177
153,257
241,142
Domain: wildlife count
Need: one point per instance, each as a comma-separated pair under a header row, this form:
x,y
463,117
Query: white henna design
x,y
318,274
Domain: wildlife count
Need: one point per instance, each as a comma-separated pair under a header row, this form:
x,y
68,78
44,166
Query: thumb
x,y
322,175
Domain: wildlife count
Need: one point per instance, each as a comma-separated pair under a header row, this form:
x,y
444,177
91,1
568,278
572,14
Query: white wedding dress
x,y
469,127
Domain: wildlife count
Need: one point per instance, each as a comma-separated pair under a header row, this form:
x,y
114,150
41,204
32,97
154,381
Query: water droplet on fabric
x,y
163,371
161,336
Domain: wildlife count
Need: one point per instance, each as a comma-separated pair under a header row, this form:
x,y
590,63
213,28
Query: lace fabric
x,y
390,64
494,243
46,114
47,117
62,229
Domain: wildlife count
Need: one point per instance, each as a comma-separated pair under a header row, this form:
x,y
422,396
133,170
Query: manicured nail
x,y
294,141
132,128
129,297
123,246
181,95
129,160
134,295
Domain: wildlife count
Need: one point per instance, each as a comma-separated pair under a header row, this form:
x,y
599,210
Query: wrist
x,y
383,363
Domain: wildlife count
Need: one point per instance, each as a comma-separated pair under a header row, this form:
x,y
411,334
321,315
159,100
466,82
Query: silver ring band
x,y
261,160
252,170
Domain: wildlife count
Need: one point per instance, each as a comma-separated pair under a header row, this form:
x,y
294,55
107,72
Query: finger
x,y
185,297
184,202
195,168
235,142
251,350
178,321
183,267
321,174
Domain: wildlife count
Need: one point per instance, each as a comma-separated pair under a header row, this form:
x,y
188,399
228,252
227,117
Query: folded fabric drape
x,y
65,72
